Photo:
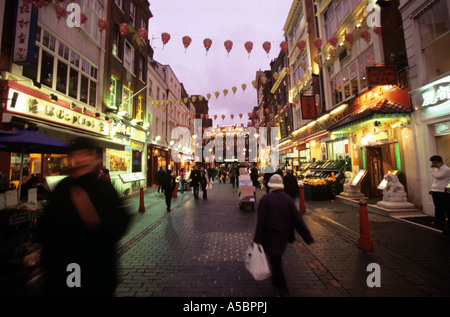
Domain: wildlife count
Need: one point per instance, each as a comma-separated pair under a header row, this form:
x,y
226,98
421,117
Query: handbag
x,y
256,262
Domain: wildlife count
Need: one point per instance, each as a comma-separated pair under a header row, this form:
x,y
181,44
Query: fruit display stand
x,y
322,189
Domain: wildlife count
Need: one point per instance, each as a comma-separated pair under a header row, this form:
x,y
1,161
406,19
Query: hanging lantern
x,y
303,65
365,35
275,75
249,47
284,46
267,110
202,115
267,46
60,11
263,80
318,43
228,46
123,29
40,4
231,116
271,116
142,33
194,98
333,41
223,117
301,45
249,114
165,37
186,42
83,18
279,107
255,84
240,115
102,24
217,94
377,30
208,96
349,37
215,117
243,86
200,98
234,89
206,116
207,44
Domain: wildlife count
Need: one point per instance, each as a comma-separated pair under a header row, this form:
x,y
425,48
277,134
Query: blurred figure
x,y
104,174
195,178
254,176
277,218
204,182
182,181
169,185
160,174
291,185
233,175
441,178
84,220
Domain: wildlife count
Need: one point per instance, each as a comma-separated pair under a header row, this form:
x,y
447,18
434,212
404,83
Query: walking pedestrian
x,y
84,220
169,185
441,175
182,181
233,175
159,176
254,176
195,178
291,185
104,174
276,219
204,182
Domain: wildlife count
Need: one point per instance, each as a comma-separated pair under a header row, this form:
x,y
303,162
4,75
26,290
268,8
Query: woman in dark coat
x,y
277,218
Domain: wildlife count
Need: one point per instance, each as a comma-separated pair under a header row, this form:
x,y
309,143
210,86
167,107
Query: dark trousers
x,y
196,188
205,194
168,199
441,209
278,279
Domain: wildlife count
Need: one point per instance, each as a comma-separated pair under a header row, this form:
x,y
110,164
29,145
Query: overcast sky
x,y
220,20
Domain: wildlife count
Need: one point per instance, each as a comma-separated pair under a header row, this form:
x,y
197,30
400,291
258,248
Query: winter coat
x,y
278,216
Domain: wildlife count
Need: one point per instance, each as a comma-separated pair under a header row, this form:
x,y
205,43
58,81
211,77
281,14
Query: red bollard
x,y
302,205
175,191
365,242
141,202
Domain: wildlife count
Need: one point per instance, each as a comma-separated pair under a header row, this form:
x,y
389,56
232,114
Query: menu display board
x,y
359,177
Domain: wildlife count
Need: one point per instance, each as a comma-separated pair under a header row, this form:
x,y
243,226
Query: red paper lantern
x,y
228,46
83,18
215,117
186,42
207,43
240,115
223,117
333,41
60,11
377,30
279,107
102,24
142,33
318,43
284,46
301,45
123,29
165,37
267,110
349,38
249,114
249,47
231,116
267,46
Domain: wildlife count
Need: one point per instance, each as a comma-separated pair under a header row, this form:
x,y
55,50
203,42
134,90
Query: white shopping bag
x,y
256,262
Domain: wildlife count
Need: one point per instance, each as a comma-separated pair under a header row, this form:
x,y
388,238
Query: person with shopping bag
x,y
277,218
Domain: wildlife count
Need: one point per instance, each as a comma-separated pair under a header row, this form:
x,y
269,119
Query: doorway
x,y
379,160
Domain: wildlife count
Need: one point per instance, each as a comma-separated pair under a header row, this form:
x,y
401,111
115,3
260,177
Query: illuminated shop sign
x,y
40,109
435,95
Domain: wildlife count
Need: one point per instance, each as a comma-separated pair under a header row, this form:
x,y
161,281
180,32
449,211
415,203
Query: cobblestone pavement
x,y
197,250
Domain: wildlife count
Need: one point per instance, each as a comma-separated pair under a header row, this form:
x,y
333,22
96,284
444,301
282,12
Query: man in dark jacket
x,y
195,178
83,222
291,185
169,185
277,218
254,176
160,174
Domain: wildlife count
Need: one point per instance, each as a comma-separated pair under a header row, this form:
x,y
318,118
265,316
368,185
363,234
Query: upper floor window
x,y
132,12
434,27
128,60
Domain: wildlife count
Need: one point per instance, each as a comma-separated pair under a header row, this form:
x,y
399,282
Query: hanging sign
x,y
308,107
25,36
381,75
435,95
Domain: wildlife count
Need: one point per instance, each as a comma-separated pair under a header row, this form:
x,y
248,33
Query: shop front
x,y
431,126
376,137
127,167
157,156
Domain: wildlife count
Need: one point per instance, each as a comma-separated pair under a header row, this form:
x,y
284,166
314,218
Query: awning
x,y
69,135
284,149
319,135
384,109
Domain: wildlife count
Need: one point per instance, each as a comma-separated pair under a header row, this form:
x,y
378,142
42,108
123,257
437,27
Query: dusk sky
x,y
236,20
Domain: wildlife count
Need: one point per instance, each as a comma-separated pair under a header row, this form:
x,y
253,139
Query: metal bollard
x,y
364,242
302,205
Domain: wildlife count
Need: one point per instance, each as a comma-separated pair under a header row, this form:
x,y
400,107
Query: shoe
x,y
168,209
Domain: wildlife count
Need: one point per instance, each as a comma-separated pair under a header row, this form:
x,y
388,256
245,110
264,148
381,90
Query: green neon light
x,y
397,156
363,152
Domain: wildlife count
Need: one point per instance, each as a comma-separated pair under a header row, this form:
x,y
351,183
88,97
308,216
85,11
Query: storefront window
x,y
119,161
338,150
137,161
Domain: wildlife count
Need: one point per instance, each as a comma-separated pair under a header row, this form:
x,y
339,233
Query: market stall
x,y
246,190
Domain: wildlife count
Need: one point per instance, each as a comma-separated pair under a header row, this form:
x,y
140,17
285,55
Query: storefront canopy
x,y
384,110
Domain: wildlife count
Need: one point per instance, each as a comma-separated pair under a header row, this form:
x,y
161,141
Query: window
x,y
119,3
141,68
127,101
434,27
113,94
365,59
132,12
73,83
61,77
150,89
129,57
47,69
115,41
335,14
140,109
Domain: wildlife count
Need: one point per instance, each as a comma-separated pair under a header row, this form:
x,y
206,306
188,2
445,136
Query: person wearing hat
x,y
83,222
277,217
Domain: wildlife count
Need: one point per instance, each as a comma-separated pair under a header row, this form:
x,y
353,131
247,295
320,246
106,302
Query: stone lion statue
x,y
393,184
